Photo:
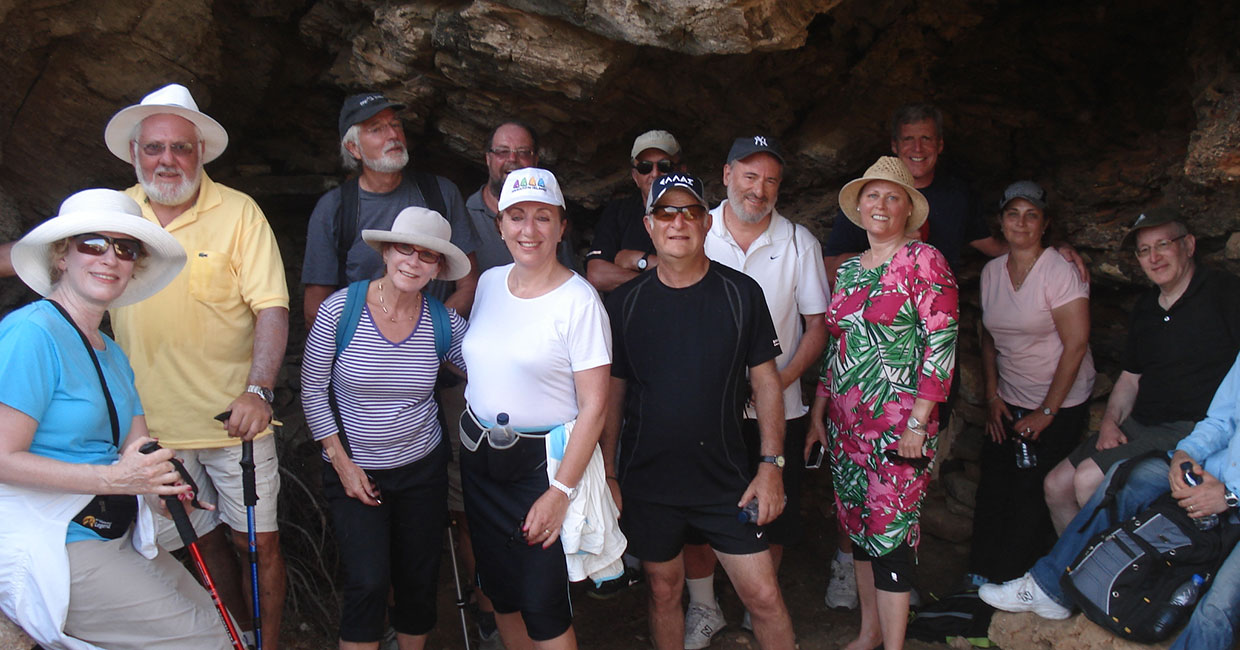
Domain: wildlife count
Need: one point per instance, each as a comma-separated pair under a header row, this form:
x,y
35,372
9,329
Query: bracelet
x,y
568,492
612,478
918,432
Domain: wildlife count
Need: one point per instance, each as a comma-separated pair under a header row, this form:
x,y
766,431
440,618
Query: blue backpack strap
x,y
441,325
355,299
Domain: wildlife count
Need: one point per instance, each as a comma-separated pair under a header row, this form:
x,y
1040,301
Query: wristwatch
x,y
1232,500
915,424
266,393
777,461
569,492
1046,410
643,262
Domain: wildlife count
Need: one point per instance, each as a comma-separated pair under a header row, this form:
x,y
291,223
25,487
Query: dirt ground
x,y
620,623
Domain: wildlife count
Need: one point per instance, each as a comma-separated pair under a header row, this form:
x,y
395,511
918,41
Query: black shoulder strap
x,y
1110,500
428,185
346,225
113,418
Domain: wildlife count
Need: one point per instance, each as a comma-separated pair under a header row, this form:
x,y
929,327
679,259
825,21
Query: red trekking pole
x,y
190,538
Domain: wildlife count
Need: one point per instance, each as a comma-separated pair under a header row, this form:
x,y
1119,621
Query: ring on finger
x,y
1190,507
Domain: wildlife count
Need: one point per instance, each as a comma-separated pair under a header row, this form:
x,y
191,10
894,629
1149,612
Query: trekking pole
x,y
456,579
250,493
190,539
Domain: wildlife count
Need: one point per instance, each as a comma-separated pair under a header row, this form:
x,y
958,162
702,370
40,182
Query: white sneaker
x,y
1023,595
842,588
701,624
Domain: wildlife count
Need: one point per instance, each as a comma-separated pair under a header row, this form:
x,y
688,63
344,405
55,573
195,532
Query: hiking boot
x,y
1023,595
701,624
842,588
610,588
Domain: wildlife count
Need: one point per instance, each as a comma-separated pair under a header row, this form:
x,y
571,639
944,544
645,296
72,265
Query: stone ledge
x,y
1032,632
13,637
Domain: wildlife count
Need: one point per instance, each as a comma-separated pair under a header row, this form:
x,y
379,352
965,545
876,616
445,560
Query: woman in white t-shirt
x,y
539,356
1039,376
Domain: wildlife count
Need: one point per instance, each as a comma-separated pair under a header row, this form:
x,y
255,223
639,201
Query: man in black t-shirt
x,y
621,248
1182,339
683,337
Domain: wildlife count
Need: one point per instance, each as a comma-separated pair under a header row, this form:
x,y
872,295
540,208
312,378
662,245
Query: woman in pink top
x,y
1039,375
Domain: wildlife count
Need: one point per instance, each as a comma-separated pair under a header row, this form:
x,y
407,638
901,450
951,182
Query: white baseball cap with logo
x,y
530,184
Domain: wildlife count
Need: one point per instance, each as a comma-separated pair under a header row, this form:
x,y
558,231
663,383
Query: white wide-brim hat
x,y
891,169
175,100
99,211
425,228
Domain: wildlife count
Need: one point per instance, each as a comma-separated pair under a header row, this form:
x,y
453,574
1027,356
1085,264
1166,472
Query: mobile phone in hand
x,y
918,463
815,456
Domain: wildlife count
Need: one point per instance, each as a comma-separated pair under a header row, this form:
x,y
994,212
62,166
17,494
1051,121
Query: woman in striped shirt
x,y
385,473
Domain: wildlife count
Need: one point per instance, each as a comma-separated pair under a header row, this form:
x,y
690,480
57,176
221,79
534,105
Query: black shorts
x,y
500,487
893,572
658,532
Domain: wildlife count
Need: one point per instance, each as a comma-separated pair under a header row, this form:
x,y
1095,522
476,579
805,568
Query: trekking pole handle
x,y
175,508
249,490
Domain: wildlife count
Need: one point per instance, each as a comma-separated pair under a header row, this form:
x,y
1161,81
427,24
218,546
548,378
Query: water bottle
x,y
749,514
1026,454
1203,523
1180,605
502,435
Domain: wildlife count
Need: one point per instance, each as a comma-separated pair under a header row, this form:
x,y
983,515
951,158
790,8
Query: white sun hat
x,y
99,211
176,100
425,228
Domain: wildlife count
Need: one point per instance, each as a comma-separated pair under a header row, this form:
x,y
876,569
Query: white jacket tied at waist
x,y
34,565
593,543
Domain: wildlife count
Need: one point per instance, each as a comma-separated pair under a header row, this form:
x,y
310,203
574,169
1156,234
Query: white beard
x,y
162,194
388,163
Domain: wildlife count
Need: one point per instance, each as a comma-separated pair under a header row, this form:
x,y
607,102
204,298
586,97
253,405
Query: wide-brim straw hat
x,y
892,169
99,211
425,228
176,100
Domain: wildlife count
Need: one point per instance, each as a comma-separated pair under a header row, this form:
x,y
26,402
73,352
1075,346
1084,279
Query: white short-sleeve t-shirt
x,y
522,352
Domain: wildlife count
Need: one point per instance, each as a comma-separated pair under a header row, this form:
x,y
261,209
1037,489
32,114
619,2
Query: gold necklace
x,y
1016,284
385,309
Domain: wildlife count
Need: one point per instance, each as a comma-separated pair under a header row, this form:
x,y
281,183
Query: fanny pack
x,y
474,430
109,515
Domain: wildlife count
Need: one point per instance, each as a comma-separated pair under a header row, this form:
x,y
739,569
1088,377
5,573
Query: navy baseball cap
x,y
750,145
362,107
676,180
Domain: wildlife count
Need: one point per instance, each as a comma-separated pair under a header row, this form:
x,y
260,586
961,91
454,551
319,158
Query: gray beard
x,y
737,203
178,194
387,163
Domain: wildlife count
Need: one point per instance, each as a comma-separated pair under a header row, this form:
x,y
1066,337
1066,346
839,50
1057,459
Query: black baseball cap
x,y
676,180
362,107
1149,219
750,145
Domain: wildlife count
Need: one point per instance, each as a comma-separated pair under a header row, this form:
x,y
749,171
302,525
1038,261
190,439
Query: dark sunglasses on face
x,y
96,244
644,167
430,257
693,212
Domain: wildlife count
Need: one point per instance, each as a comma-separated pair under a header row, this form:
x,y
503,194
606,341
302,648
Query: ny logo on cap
x,y
369,99
759,141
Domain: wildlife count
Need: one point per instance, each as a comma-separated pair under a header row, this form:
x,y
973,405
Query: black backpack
x,y
1124,579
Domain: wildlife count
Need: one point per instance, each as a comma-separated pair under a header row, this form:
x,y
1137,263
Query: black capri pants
x,y
398,543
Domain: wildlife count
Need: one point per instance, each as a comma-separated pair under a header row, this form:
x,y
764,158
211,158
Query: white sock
x,y
842,557
702,590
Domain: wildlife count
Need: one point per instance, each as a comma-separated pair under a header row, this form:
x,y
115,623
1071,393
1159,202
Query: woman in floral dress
x,y
892,321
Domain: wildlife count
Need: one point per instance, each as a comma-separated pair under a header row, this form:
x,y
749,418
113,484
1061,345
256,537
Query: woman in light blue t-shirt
x,y
76,541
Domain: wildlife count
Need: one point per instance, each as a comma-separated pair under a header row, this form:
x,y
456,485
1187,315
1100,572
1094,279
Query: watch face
x,y
641,264
1231,499
1046,410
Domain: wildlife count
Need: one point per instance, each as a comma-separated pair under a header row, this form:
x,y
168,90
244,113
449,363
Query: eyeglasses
x,y
95,245
157,148
1162,247
693,212
504,152
644,167
430,257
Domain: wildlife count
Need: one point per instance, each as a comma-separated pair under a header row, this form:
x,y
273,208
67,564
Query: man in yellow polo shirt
x,y
211,341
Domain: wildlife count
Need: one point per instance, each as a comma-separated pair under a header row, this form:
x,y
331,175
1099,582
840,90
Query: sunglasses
x,y
693,212
644,167
430,257
95,244
504,153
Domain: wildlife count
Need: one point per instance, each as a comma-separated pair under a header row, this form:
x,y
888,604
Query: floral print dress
x,y
893,340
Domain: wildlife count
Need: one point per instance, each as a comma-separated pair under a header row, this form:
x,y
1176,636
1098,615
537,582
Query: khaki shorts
x,y
123,601
218,475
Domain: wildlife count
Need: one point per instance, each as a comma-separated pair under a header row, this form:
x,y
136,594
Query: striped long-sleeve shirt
x,y
384,389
